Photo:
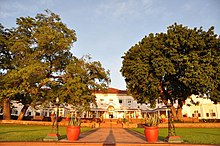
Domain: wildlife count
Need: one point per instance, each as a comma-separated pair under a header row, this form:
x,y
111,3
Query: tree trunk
x,y
179,114
179,110
22,113
173,110
6,109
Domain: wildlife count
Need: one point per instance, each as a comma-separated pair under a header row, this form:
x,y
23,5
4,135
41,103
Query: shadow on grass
x,y
161,138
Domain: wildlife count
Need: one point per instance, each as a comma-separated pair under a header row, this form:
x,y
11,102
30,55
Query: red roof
x,y
112,91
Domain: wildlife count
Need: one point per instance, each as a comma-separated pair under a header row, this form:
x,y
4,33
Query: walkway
x,y
111,136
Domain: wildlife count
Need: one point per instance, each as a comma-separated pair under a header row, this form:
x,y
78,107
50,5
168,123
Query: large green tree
x,y
39,58
5,58
80,79
174,65
39,49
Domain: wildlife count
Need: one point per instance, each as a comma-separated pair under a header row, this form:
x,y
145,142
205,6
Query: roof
x,y
111,91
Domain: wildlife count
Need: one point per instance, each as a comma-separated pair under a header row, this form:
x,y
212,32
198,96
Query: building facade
x,y
115,104
201,108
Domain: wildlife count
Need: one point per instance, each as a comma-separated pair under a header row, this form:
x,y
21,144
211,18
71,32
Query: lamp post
x,y
54,134
57,113
172,137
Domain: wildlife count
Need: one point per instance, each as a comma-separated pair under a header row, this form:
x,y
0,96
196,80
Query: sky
x,y
106,29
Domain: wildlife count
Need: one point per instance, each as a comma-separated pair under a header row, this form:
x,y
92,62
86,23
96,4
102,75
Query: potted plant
x,y
73,128
151,127
68,117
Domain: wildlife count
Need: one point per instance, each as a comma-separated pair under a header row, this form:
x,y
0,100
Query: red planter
x,y
72,132
67,119
151,134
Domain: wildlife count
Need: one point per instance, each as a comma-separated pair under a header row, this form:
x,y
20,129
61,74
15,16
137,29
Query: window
x,y
110,99
37,114
120,100
129,102
14,112
111,108
213,114
101,99
196,114
207,114
29,113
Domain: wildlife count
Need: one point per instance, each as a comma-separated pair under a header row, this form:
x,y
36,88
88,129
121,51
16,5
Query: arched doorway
x,y
111,110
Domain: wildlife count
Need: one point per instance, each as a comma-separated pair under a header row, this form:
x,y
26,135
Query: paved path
x,y
111,136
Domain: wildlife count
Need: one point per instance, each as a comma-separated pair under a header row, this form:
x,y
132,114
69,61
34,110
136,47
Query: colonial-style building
x,y
117,104
201,108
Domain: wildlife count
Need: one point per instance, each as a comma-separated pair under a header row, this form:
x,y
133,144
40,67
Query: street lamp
x,y
57,107
54,134
172,137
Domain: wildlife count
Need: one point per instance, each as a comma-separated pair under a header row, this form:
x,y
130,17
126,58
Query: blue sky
x,y
106,29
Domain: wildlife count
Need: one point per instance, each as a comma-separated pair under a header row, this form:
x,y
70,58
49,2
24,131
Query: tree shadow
x,y
136,134
87,133
110,139
161,138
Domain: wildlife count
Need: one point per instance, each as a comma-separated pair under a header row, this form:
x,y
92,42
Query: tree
x,y
5,59
81,78
43,68
174,65
40,50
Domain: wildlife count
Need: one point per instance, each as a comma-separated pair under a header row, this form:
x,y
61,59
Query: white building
x,y
116,104
201,108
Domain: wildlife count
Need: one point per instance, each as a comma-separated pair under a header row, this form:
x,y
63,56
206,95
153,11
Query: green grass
x,y
28,132
191,135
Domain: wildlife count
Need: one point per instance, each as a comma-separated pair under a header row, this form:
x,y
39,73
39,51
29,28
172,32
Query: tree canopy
x,y
174,65
37,65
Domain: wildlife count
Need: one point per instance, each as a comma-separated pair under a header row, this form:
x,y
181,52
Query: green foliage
x,y
74,121
37,65
152,120
174,65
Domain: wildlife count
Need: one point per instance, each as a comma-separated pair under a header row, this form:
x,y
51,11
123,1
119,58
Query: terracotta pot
x,y
151,134
72,132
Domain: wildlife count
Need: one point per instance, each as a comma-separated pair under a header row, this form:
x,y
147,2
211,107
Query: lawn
x,y
28,132
191,135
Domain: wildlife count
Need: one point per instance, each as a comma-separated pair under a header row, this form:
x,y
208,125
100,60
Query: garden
x,y
11,132
191,135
